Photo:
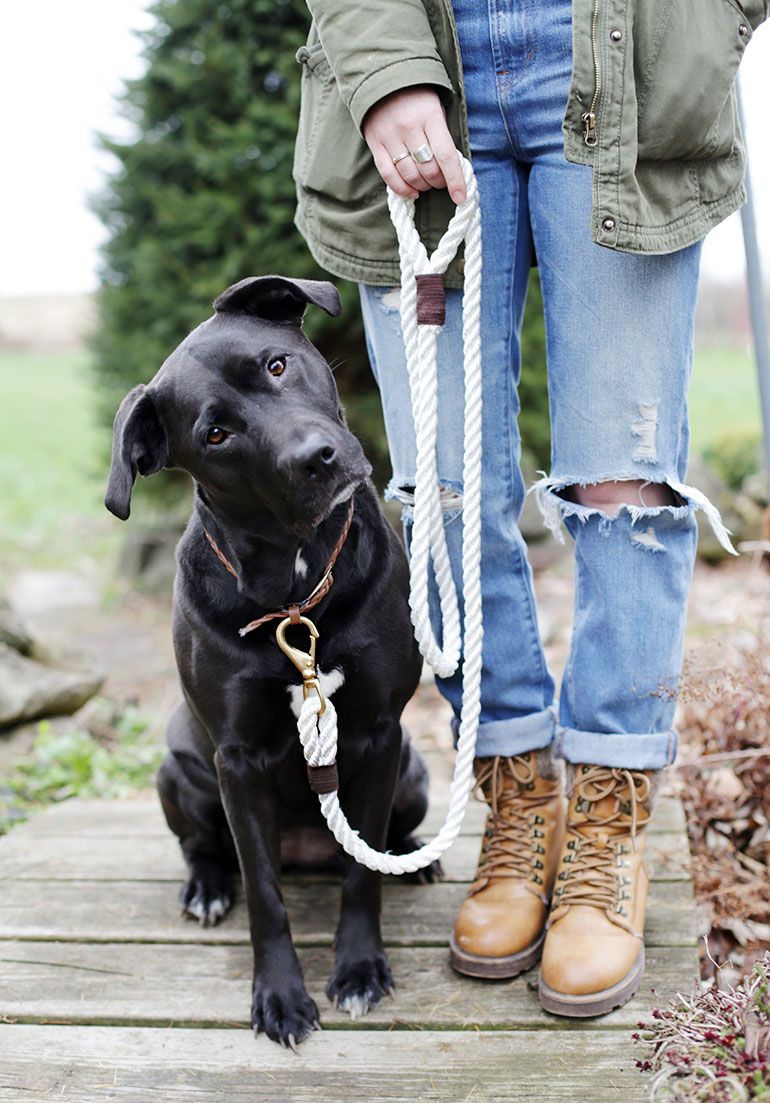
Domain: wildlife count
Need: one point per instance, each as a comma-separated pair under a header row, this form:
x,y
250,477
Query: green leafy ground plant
x,y
80,763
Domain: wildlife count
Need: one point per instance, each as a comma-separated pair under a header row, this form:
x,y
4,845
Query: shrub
x,y
734,456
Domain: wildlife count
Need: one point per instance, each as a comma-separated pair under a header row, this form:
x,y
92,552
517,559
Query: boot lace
x,y
512,845
597,857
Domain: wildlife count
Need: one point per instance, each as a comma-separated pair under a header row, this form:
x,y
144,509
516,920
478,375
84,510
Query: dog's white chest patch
x,y
300,566
330,680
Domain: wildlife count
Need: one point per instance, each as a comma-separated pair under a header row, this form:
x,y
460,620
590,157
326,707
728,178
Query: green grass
x,y
52,461
724,396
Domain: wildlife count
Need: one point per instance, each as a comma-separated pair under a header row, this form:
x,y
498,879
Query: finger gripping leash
x,y
422,314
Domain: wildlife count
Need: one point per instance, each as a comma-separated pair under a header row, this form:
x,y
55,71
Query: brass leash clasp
x,y
303,660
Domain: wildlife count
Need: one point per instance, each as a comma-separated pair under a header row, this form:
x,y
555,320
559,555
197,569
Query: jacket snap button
x,y
743,30
460,265
616,35
608,224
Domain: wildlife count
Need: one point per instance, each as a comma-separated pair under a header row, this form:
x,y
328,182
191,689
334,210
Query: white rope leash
x,y
318,725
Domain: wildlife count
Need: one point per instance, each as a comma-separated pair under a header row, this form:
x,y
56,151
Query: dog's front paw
x,y
207,897
427,876
287,1016
359,986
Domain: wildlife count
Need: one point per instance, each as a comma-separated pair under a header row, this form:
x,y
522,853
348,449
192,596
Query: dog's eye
x,y
277,365
216,435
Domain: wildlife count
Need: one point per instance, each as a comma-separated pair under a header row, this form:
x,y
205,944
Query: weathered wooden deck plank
x,y
145,1065
141,817
93,935
152,985
85,851
135,911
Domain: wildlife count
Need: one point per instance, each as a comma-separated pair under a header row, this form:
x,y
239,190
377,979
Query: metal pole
x,y
757,311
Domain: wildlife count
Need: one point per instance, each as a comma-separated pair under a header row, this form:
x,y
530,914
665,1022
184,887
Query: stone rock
x,y
29,690
148,557
52,647
13,633
39,592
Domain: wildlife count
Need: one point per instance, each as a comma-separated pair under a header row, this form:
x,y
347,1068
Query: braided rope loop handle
x,y
318,731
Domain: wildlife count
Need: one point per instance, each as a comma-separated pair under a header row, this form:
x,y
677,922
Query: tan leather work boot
x,y
500,927
593,957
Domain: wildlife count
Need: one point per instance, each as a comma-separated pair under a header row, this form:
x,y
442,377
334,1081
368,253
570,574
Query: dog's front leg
x,y
281,1006
361,974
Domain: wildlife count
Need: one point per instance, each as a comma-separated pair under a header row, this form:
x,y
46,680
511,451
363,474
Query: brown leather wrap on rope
x,y
294,610
323,779
431,300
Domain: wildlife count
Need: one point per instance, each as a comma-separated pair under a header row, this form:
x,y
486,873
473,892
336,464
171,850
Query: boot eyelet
x,y
584,769
572,844
540,850
539,819
538,864
563,876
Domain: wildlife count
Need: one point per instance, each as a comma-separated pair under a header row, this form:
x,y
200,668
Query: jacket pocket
x,y
330,156
685,75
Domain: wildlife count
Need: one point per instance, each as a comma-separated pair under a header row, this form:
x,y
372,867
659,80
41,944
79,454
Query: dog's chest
x,y
330,681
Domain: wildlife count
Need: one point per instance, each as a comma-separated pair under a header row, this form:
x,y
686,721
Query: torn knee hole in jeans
x,y
557,500
450,493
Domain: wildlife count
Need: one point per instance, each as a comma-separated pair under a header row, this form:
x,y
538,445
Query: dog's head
x,y
249,408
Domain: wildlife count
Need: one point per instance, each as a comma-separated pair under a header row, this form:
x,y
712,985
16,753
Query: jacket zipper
x,y
588,118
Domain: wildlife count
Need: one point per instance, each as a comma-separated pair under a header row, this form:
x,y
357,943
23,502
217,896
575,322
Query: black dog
x,y
249,408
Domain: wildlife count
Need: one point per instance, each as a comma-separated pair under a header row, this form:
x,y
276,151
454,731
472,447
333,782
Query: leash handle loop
x,y
318,727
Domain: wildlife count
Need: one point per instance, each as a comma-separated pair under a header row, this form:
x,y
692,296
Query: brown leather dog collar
x,y
294,611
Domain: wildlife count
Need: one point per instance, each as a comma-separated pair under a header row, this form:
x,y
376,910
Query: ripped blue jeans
x,y
619,330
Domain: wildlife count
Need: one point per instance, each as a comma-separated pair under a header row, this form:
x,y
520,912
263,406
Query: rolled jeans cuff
x,y
517,735
628,750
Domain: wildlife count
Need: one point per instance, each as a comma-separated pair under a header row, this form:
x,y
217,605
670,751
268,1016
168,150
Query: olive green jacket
x,y
652,107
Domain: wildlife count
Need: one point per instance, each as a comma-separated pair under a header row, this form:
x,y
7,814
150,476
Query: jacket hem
x,y
633,238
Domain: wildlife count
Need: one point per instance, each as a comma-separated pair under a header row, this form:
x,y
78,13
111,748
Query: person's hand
x,y
403,121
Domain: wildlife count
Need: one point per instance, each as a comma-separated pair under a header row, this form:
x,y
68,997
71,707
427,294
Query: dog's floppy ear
x,y
278,298
139,446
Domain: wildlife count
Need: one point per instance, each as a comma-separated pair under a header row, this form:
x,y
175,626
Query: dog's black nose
x,y
315,458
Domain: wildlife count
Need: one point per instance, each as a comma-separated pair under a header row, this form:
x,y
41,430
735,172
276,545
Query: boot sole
x,y
593,1003
495,968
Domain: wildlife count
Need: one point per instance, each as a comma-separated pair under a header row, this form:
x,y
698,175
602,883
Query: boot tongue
x,y
517,776
598,812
